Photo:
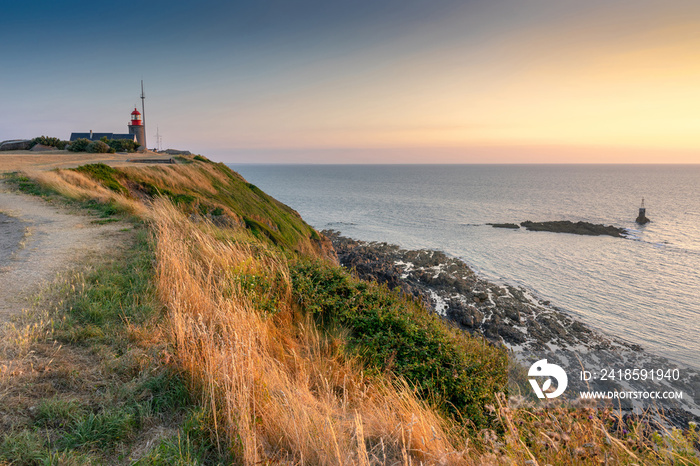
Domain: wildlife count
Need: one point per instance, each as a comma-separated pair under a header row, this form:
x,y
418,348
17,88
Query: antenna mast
x,y
143,114
159,139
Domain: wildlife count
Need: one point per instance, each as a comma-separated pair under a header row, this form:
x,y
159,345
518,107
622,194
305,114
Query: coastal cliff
x,y
229,327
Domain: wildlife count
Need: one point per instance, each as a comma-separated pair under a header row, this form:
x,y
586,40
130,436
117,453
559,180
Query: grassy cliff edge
x,y
264,350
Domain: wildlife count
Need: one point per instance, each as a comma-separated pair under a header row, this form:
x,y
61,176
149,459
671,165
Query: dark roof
x,y
98,136
74,136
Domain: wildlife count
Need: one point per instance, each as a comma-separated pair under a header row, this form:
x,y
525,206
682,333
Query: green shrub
x,y
104,174
98,147
79,145
262,231
121,145
49,141
457,372
182,199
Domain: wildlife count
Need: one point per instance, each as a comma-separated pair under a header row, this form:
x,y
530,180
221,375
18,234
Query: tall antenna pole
x,y
143,114
159,139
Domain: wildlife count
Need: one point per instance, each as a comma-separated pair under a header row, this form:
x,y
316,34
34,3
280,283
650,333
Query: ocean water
x,y
645,289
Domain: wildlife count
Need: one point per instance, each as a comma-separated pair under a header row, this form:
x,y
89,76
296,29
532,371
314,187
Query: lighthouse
x,y
137,128
642,217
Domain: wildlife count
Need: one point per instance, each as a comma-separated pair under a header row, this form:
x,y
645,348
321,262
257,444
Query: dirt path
x,y
39,240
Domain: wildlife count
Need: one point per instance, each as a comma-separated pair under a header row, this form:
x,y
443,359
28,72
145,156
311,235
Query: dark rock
x,y
466,316
511,334
578,228
578,327
642,219
513,226
511,311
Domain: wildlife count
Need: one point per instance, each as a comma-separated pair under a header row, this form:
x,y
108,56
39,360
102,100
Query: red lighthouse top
x,y
136,118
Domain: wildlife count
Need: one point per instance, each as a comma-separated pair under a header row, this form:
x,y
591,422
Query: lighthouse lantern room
x,y
136,119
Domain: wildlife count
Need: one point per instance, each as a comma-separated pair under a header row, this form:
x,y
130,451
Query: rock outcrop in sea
x,y
578,228
642,219
532,328
512,226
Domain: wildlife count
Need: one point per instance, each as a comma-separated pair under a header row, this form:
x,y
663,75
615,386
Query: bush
x,y
48,141
79,145
457,372
121,145
98,147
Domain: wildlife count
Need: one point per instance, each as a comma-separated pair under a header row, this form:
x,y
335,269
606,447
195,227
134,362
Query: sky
x,y
363,81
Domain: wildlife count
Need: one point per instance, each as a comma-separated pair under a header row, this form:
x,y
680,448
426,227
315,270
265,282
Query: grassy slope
x,y
229,246
457,372
215,191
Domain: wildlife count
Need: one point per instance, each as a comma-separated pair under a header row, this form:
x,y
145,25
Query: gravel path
x,y
39,240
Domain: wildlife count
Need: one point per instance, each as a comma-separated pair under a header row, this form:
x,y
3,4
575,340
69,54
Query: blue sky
x,y
341,81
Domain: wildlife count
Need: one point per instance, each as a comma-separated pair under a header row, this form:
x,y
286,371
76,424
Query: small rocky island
x,y
512,226
578,228
566,226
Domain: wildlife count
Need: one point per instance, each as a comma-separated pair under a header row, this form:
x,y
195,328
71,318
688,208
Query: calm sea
x,y
645,290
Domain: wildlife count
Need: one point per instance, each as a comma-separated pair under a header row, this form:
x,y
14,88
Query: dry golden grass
x,y
280,390
177,177
586,433
80,187
43,161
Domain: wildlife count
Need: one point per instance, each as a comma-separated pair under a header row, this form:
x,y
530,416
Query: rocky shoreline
x,y
531,328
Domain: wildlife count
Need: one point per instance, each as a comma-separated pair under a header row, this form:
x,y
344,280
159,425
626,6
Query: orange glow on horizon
x,y
591,86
